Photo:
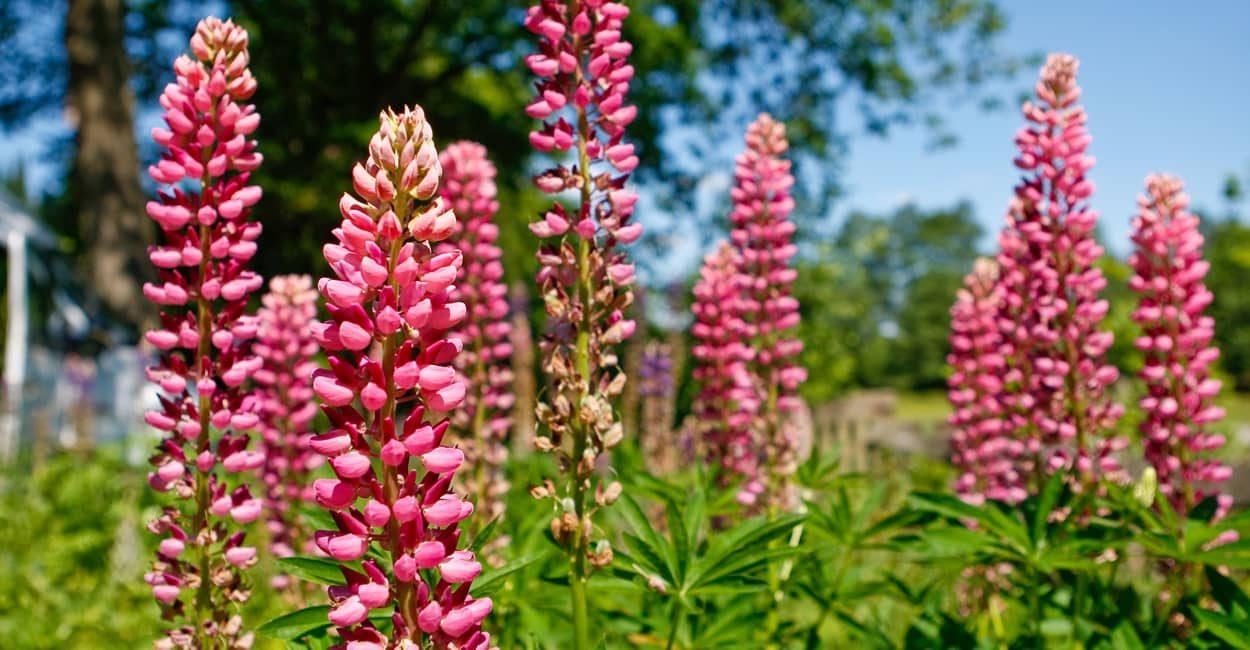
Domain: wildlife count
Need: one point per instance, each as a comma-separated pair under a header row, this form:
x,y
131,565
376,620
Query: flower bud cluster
x,y
1168,272
204,212
1056,374
762,234
287,350
482,425
391,380
984,451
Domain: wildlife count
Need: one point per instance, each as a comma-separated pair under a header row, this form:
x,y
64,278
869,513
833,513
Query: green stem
x,y
674,624
203,442
578,573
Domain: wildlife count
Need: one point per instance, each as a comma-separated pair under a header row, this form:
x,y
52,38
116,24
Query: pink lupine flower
x,y
387,397
204,336
1051,312
482,425
286,347
728,400
762,235
585,278
1176,340
983,449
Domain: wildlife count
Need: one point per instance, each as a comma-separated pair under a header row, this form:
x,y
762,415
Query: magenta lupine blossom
x,y
585,278
762,234
728,400
1176,340
469,189
983,448
287,349
391,380
1051,318
204,212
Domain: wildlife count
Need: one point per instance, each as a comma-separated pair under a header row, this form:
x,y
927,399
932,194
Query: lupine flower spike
x,y
1051,312
208,238
983,450
482,425
1176,340
585,278
286,347
728,399
391,381
762,234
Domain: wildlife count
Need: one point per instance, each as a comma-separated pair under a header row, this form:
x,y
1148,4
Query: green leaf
x,y
320,570
1235,632
490,581
296,624
1046,502
647,536
1124,637
1226,592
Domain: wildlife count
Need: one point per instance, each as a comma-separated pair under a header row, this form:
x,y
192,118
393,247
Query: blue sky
x,y
1166,89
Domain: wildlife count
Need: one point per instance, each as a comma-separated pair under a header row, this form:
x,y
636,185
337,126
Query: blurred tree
x,y
1228,252
876,300
104,177
830,68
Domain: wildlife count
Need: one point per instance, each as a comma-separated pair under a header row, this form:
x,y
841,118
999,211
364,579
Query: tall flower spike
x,y
483,424
1176,340
585,278
728,399
762,233
983,449
391,378
286,347
208,238
1051,311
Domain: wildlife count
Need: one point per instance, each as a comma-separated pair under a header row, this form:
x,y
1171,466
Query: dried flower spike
x,y
585,278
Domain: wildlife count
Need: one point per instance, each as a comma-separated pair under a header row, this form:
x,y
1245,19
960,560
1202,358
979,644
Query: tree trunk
x,y
104,180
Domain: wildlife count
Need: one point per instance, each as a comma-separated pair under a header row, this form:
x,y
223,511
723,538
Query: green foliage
x,y
72,556
876,299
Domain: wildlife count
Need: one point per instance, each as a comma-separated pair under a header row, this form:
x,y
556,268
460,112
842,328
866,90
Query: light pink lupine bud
x,y
429,554
459,567
246,512
343,547
376,513
349,612
448,510
171,547
443,460
334,494
353,464
332,392
166,593
430,616
463,618
241,556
